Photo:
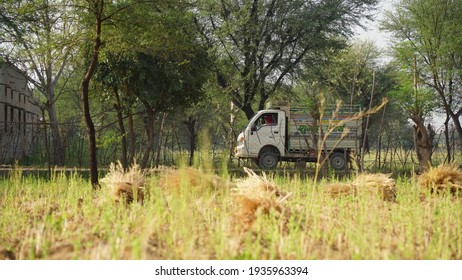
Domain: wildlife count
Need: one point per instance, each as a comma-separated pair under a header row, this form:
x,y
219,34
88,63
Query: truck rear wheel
x,y
337,161
268,160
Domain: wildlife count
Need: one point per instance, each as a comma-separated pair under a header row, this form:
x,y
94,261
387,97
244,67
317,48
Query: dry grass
x,y
339,189
257,195
257,219
175,180
378,183
441,179
126,185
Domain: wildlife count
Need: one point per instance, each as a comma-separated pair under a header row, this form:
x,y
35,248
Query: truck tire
x,y
268,160
337,161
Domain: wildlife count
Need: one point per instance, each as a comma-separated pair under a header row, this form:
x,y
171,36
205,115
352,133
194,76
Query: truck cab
x,y
264,138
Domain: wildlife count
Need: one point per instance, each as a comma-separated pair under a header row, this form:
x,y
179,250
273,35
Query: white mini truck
x,y
281,133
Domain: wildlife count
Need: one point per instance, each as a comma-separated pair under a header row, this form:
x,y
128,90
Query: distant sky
x,y
372,32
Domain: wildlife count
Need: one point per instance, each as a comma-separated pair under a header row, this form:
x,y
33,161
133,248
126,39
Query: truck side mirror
x,y
253,127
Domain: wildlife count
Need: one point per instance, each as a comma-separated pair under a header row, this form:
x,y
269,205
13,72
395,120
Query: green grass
x,y
64,219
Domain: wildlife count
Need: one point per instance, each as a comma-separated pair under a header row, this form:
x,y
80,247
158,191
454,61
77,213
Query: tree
x,y
431,30
258,44
38,36
164,84
101,12
357,76
96,10
112,76
418,102
163,70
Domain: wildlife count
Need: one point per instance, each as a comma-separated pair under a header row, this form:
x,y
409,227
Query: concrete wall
x,y
19,117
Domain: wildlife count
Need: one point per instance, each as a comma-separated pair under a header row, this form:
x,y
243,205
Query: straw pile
x,y
441,179
6,254
257,195
378,183
126,186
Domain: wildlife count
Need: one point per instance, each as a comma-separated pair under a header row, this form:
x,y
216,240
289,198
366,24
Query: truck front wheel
x,y
337,161
268,160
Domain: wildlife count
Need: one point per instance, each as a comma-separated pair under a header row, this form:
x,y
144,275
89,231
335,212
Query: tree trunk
x,y
191,125
423,144
379,139
422,136
458,127
91,135
131,132
231,133
159,143
247,109
47,148
98,12
447,139
58,149
120,120
150,132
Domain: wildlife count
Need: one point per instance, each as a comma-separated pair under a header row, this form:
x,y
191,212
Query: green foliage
x,y
428,30
258,44
152,53
421,102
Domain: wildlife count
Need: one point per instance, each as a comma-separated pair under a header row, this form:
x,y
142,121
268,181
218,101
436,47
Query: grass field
x,y
202,216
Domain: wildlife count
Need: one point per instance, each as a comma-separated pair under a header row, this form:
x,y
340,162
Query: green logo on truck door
x,y
303,129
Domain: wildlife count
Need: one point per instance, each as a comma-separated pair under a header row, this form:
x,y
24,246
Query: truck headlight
x,y
241,137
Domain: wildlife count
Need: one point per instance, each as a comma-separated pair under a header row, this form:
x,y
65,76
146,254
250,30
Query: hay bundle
x,y
126,186
192,179
444,178
255,195
379,183
6,254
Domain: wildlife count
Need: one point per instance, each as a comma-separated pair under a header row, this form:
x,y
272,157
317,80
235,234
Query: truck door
x,y
267,129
